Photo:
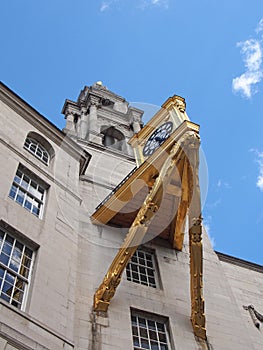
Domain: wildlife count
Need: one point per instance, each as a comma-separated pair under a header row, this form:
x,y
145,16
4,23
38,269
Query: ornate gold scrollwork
x,y
195,241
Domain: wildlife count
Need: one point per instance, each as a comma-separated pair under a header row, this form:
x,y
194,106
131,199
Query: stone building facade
x,y
54,254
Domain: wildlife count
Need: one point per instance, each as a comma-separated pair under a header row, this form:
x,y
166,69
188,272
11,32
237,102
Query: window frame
x,y
38,146
144,331
151,272
9,251
31,194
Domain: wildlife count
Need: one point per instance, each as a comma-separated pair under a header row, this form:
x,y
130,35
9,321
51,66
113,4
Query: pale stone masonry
x,y
46,301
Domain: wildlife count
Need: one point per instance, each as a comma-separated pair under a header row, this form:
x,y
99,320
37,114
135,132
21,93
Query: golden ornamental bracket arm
x,y
136,233
195,240
179,224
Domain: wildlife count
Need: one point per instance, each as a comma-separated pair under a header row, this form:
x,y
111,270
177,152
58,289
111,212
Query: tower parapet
x,y
102,117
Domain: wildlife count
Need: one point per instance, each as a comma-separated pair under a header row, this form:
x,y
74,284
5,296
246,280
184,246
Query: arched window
x,y
39,147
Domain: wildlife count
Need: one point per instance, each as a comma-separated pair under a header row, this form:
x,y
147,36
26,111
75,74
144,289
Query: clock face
x,y
157,138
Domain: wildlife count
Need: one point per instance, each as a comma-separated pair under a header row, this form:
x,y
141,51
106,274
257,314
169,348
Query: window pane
x,y
142,322
28,252
25,182
36,211
20,197
13,191
152,335
27,143
14,265
143,333
136,341
10,278
154,345
145,344
9,239
160,326
162,337
7,288
4,259
163,347
33,148
39,153
5,297
18,177
1,236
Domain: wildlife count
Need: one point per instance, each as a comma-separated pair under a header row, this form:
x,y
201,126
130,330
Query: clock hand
x,y
161,139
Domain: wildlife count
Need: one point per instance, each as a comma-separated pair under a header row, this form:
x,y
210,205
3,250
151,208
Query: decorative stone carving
x,y
180,105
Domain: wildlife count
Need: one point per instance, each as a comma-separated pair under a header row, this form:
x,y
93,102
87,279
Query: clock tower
x,y
102,118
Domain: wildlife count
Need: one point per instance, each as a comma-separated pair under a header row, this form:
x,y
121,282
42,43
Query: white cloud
x,y
207,227
214,204
251,51
105,6
159,2
260,26
252,57
259,160
260,176
222,184
142,4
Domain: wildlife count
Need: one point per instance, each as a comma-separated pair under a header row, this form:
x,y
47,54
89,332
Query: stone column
x,y
135,119
70,128
83,123
136,125
93,118
93,125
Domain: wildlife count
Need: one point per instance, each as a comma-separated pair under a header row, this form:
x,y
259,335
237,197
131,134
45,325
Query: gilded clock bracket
x,y
135,235
195,242
185,150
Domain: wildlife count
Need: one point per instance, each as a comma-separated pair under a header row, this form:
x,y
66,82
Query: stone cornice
x,y
104,93
109,150
239,262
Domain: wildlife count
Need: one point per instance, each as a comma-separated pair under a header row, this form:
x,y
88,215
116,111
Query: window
x,y
37,149
15,269
149,332
28,192
141,268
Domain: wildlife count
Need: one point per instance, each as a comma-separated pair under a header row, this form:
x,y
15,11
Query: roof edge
x,y
239,262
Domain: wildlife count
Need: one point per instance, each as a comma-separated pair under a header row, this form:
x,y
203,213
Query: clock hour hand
x,y
161,139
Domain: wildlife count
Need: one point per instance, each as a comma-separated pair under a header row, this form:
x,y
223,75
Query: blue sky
x,y
207,51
